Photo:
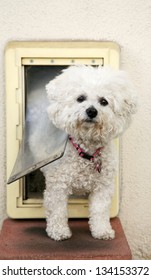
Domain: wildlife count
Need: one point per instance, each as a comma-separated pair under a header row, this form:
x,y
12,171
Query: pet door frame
x,y
17,56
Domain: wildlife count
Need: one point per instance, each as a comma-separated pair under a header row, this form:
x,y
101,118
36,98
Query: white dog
x,y
94,106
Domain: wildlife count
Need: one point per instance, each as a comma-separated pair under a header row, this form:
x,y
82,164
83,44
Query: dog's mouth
x,y
87,123
90,121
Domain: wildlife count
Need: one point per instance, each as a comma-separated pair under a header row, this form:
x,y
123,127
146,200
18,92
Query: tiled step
x,y
27,239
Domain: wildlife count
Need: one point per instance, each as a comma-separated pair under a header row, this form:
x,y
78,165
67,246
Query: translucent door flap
x,y
27,162
42,142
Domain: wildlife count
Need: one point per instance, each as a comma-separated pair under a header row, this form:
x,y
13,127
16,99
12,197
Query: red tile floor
x,y
27,239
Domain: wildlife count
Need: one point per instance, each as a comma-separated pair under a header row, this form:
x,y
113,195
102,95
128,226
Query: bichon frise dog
x,y
94,106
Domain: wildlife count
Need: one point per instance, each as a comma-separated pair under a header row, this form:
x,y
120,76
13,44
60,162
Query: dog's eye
x,y
81,98
103,101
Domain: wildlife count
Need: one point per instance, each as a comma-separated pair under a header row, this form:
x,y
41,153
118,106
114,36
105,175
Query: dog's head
x,y
91,103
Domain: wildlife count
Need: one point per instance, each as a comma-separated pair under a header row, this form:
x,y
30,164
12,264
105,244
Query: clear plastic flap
x,y
42,142
27,162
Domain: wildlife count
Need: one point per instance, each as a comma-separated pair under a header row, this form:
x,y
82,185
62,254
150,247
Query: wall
x,y
128,23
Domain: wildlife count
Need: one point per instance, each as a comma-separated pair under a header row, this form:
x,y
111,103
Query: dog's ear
x,y
125,96
51,90
129,95
130,105
58,86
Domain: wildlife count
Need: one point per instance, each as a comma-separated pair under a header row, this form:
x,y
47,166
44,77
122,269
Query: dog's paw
x,y
106,234
59,234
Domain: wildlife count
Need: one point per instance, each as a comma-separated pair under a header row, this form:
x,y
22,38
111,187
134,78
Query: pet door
x,y
29,67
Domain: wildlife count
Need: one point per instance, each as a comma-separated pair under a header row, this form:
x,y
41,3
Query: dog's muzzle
x,y
91,112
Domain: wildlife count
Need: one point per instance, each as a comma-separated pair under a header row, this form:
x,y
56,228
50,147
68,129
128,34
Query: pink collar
x,y
85,155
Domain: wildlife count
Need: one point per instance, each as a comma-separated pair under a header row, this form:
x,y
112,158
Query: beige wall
x,y
129,24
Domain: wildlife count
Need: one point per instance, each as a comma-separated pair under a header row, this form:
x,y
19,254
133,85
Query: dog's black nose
x,y
91,112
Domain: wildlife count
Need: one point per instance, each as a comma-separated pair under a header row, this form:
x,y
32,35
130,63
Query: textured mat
x,y
27,239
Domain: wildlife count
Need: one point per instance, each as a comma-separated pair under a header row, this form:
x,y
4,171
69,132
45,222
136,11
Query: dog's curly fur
x,y
111,96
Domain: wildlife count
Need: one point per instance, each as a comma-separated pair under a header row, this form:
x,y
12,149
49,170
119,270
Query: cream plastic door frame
x,y
17,56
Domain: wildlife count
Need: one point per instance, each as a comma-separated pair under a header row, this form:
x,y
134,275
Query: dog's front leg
x,y
56,205
99,215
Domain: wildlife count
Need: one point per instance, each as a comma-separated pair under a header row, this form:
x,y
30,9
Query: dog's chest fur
x,y
79,174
